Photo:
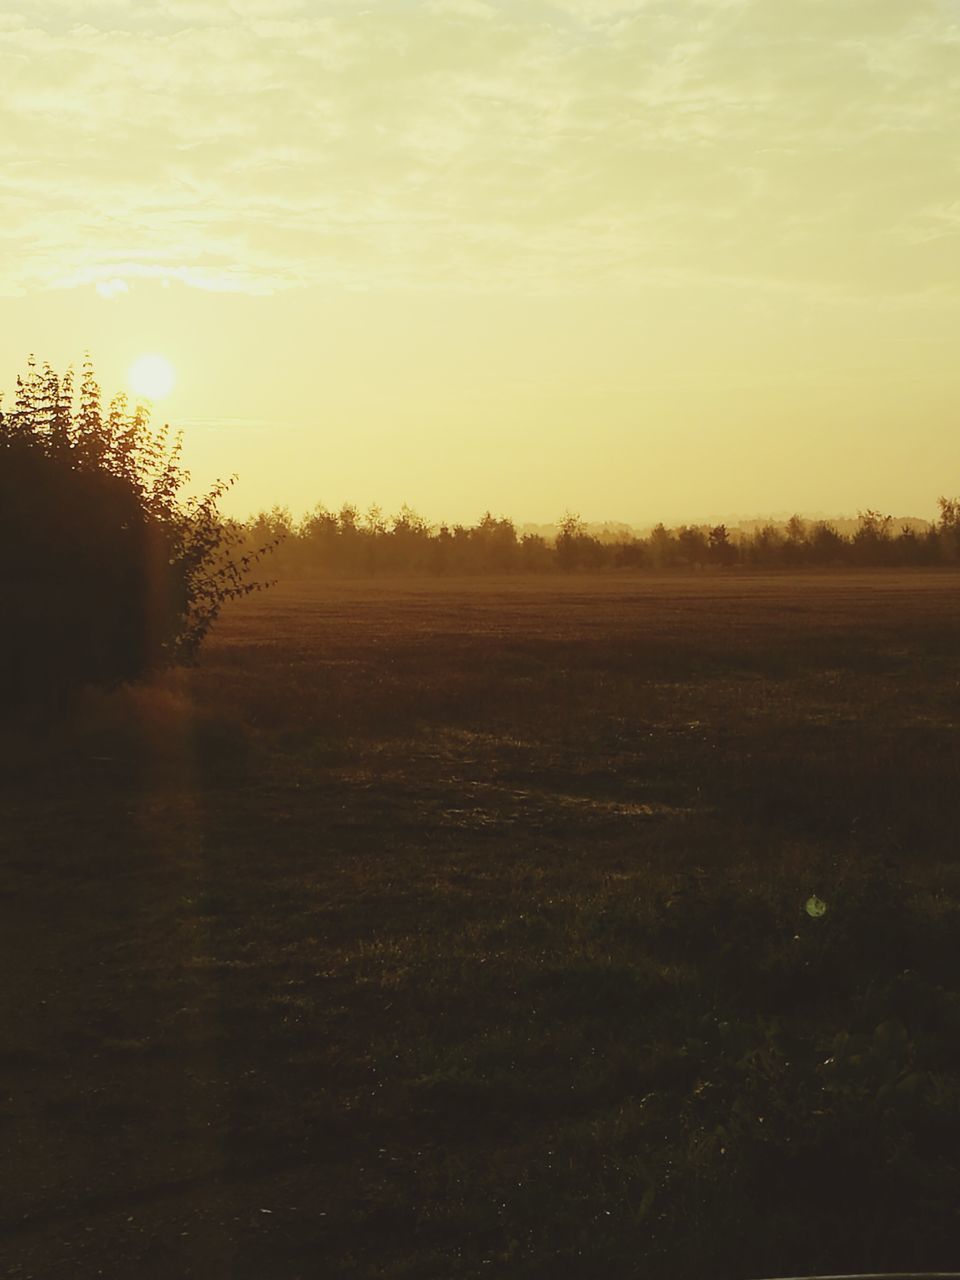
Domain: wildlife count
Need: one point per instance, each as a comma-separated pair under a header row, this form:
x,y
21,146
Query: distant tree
x,y
795,548
496,543
662,548
572,531
693,546
629,553
441,559
909,548
764,548
871,541
576,548
408,542
535,556
374,521
317,539
351,540
348,543
106,571
796,530
275,528
827,546
722,550
948,529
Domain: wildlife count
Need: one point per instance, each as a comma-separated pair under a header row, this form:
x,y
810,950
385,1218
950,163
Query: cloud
x,y
259,145
114,288
461,9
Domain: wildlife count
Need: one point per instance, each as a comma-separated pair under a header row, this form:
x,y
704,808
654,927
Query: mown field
x,y
460,929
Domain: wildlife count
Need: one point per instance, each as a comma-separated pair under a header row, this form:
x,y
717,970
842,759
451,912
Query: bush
x,y
107,573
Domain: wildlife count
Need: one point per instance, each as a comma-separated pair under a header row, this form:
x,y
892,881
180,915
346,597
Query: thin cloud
x,y
257,146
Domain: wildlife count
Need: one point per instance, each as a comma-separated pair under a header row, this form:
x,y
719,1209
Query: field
x,y
591,928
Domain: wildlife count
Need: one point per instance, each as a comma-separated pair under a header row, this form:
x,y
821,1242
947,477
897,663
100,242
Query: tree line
x,y
347,543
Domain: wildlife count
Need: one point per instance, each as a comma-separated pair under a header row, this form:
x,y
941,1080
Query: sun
x,y
152,376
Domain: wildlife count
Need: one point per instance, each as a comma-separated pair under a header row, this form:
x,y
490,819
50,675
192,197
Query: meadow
x,y
594,927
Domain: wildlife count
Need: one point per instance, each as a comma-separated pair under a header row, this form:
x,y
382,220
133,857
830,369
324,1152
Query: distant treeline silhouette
x,y
346,543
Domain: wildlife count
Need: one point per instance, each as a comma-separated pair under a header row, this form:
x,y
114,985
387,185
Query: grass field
x,y
459,929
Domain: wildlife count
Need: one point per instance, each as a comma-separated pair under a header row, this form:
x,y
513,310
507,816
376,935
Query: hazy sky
x,y
659,259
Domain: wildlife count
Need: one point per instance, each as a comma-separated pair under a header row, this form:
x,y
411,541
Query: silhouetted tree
x,y
871,541
662,548
948,529
496,543
795,548
348,544
409,542
693,546
106,572
827,546
572,530
577,549
535,555
629,553
722,551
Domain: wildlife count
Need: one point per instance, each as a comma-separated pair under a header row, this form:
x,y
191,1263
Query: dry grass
x,y
457,929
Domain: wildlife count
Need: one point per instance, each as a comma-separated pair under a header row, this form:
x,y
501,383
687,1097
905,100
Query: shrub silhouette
x,y
106,572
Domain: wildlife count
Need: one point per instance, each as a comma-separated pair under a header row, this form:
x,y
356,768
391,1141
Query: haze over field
x,y
651,260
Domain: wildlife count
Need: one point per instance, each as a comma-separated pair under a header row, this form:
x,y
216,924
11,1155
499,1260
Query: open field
x,y
455,929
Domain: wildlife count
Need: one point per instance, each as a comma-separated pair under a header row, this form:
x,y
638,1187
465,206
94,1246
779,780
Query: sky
x,y
659,259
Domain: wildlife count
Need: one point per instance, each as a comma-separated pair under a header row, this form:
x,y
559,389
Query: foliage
x,y
107,571
349,544
575,548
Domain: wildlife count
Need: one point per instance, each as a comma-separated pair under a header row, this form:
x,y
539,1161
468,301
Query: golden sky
x,y
660,259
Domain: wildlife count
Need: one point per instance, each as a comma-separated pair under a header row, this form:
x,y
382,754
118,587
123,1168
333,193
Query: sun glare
x,y
151,377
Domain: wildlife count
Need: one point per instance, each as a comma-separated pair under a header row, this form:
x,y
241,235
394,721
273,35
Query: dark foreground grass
x,y
459,930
